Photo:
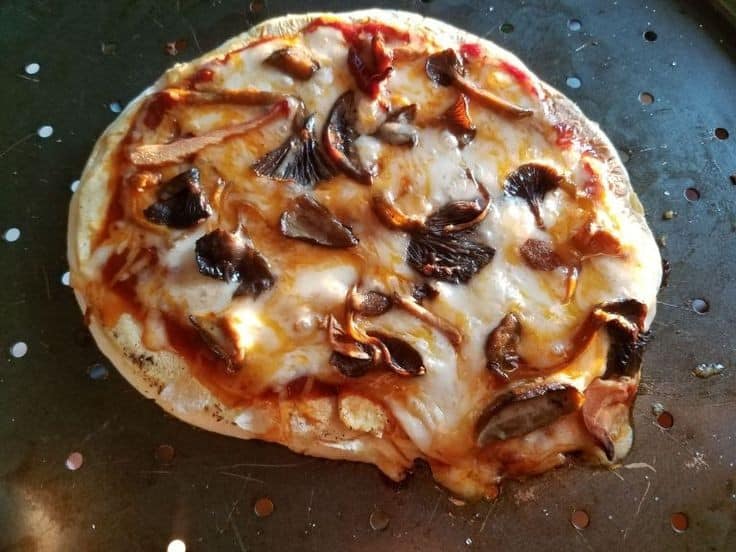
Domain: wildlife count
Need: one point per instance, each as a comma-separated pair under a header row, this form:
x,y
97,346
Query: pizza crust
x,y
163,377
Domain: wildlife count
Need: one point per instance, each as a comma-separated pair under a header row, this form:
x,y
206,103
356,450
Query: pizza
x,y
371,236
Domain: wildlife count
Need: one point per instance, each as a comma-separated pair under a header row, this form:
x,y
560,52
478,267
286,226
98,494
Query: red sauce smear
x,y
351,31
520,76
471,50
205,74
565,135
156,109
592,188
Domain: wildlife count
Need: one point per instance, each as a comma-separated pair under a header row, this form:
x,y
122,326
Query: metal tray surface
x,y
55,399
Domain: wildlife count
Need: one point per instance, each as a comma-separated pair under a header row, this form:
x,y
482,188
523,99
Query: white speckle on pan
x,y
65,278
176,545
74,185
45,131
116,107
11,235
32,68
18,350
74,461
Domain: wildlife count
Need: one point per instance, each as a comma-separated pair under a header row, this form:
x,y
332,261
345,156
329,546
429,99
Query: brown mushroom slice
x,y
624,322
460,215
590,240
231,257
392,217
308,220
398,129
370,64
446,68
458,121
453,258
180,202
502,344
293,61
524,410
299,159
350,357
399,356
531,182
539,255
415,309
339,136
179,150
371,303
219,341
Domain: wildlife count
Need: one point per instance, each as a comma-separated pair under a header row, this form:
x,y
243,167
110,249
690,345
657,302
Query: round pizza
x,y
371,236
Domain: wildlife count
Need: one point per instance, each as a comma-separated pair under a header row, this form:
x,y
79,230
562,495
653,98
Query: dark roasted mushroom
x,y
371,303
309,220
458,121
446,68
501,346
624,322
398,129
401,357
460,215
218,340
338,138
539,255
231,257
531,182
350,357
349,366
423,291
453,258
180,202
299,158
370,64
524,410
293,61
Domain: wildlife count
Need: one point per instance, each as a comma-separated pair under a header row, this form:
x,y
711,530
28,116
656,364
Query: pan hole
x,y
45,131
115,107
65,278
580,519
263,507
32,68
11,235
257,6
692,194
379,520
74,185
573,81
176,545
98,372
721,133
679,522
74,461
733,179
507,28
574,25
164,454
650,36
19,349
665,420
646,98
700,306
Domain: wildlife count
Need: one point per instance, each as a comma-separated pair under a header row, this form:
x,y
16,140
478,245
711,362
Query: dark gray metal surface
x,y
123,498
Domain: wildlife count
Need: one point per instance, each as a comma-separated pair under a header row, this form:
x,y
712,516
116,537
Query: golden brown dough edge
x,y
195,405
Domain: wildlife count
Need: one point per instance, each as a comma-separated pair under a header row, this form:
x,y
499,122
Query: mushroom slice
x,y
309,220
293,61
624,322
392,217
539,255
446,68
501,346
531,182
453,258
231,257
607,414
458,121
370,64
371,303
414,308
524,410
399,356
299,158
461,215
398,129
179,150
591,240
180,202
220,342
338,138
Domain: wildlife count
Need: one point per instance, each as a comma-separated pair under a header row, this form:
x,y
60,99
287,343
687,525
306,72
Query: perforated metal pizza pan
x,y
55,400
